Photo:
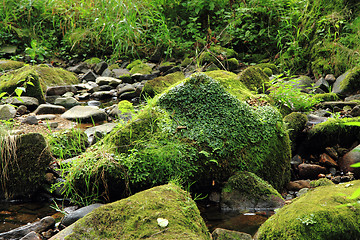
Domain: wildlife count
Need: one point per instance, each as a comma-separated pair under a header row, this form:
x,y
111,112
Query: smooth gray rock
x,y
60,90
38,227
100,67
353,97
77,214
104,129
101,95
49,109
30,102
7,112
32,236
114,82
225,234
85,114
88,76
322,84
45,117
66,102
32,120
125,88
339,104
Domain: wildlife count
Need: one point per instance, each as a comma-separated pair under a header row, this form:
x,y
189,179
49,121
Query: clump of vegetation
x,y
67,144
295,123
125,106
321,182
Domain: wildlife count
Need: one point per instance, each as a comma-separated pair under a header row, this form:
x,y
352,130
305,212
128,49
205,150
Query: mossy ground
x,y
136,217
322,213
41,76
160,84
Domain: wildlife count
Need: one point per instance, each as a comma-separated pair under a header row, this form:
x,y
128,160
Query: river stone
x,y
88,76
60,90
355,112
352,98
31,120
100,67
350,158
339,104
348,83
297,185
32,236
310,171
101,95
46,117
224,234
104,129
322,84
37,227
85,114
49,109
30,102
94,103
125,88
114,82
7,112
66,102
77,214
117,220
246,191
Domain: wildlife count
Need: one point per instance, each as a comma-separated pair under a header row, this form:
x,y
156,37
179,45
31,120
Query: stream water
x,y
17,214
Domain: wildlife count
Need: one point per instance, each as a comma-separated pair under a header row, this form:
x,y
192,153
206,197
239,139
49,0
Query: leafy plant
x,y
36,51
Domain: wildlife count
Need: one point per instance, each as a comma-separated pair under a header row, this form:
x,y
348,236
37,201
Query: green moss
x,y
141,68
231,83
125,78
206,58
351,81
159,84
324,97
295,123
321,182
251,185
136,217
134,63
254,78
226,52
10,65
93,60
322,213
23,173
125,107
113,66
41,76
333,132
186,62
272,67
268,71
232,64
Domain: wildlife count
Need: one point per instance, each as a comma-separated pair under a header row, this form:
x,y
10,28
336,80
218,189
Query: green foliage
x,y
35,51
67,144
286,94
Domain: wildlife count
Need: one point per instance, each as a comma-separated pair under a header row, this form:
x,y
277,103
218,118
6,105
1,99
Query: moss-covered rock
x,y
254,78
322,213
138,66
231,83
24,161
10,65
41,76
295,123
93,60
348,83
321,182
232,64
268,71
195,131
333,132
325,97
137,217
274,69
246,191
159,84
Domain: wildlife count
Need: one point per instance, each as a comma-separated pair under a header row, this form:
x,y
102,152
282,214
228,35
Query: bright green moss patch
x,y
10,65
295,123
320,214
321,182
41,75
231,83
134,63
159,84
231,64
272,67
136,217
113,66
268,71
93,60
325,97
254,78
138,66
125,107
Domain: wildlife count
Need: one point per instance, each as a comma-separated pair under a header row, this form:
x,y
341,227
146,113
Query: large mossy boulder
x,y
140,216
326,212
195,131
246,191
24,161
254,78
159,84
10,65
348,83
41,76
